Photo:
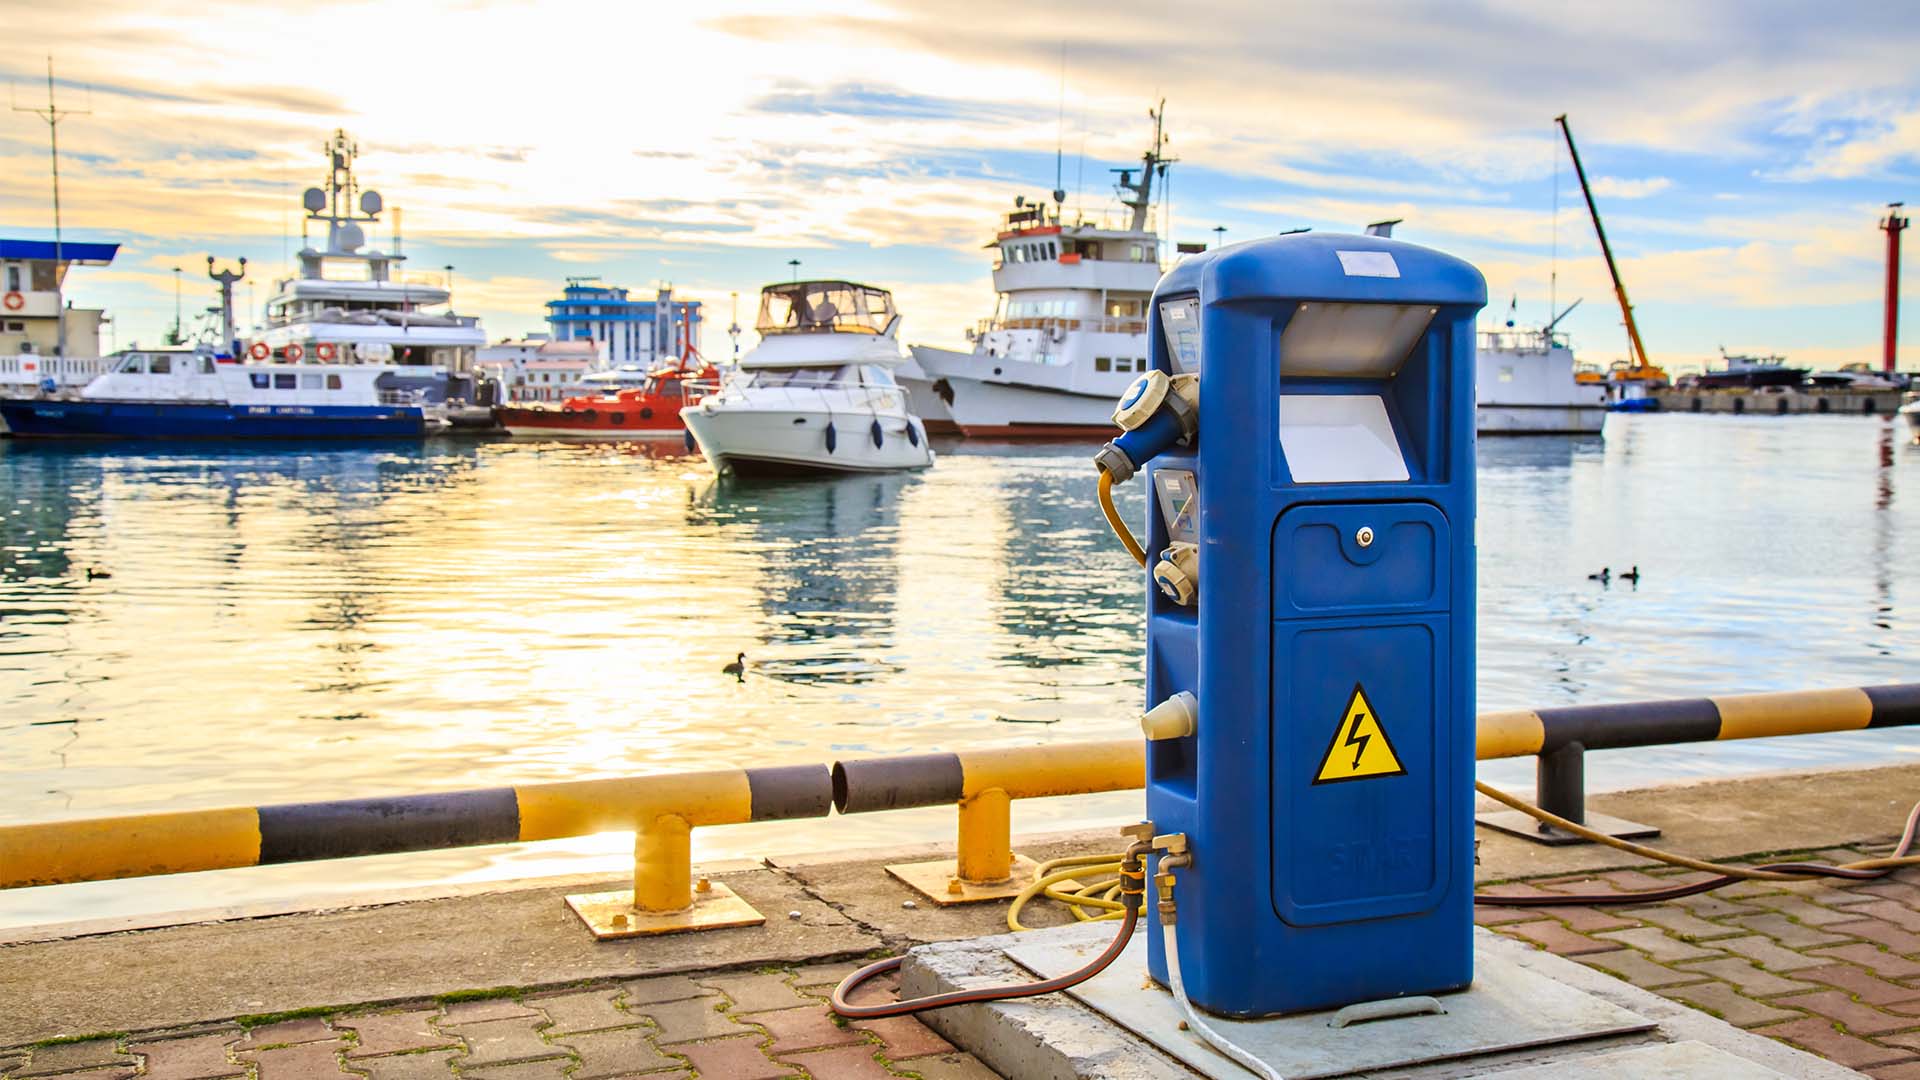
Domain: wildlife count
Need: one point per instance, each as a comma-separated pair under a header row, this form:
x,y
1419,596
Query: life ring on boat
x,y
294,352
15,301
325,351
259,350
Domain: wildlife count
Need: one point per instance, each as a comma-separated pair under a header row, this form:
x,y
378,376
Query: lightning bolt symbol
x,y
1357,740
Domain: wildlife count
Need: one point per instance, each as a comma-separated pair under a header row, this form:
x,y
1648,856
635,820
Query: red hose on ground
x,y
1132,890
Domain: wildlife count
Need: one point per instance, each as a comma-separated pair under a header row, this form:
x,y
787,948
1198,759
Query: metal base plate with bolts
x,y
936,881
610,915
1526,827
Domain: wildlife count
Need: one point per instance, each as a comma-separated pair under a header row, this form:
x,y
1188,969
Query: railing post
x,y
986,838
663,864
1560,783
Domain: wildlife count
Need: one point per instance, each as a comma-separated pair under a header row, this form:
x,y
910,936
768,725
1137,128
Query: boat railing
x,y
859,394
1098,324
31,369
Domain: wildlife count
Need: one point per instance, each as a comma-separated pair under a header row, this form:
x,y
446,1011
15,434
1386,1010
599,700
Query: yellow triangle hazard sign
x,y
1360,748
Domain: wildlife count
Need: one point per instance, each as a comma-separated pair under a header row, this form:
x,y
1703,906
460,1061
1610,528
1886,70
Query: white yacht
x,y
1525,383
349,305
1069,331
818,394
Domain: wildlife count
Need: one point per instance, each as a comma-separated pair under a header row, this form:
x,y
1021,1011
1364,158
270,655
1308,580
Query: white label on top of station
x,y
1368,263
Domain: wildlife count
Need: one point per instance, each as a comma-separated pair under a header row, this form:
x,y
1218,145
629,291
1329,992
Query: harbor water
x,y
195,625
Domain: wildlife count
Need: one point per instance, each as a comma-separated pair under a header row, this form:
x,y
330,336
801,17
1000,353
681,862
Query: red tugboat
x,y
648,411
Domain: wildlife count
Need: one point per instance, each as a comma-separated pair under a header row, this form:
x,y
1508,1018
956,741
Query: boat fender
x,y
832,439
259,350
325,351
913,436
877,437
646,412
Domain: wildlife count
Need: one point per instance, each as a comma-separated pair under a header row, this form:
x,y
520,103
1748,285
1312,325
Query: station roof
x,y
70,250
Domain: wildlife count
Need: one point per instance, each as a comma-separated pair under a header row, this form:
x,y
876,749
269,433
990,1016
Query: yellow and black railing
x,y
662,811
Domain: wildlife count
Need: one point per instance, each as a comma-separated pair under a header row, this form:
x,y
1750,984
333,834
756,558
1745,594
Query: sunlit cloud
x,y
1740,156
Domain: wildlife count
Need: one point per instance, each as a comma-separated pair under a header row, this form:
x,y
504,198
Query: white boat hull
x,y
992,408
749,441
923,398
1540,419
1911,410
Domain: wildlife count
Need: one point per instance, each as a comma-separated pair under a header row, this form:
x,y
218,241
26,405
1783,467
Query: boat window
x,y
160,365
820,306
877,376
206,365
1103,363
618,418
283,380
261,380
333,382
669,388
798,377
309,382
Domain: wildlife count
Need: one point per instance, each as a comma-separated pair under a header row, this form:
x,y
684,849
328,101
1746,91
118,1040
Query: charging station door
x,y
1362,649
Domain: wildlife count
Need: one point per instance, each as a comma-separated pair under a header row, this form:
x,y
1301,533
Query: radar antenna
x,y
1154,161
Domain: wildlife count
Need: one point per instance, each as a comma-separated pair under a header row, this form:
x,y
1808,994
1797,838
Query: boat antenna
x,y
1060,136
1553,259
1619,287
1139,197
53,114
1548,329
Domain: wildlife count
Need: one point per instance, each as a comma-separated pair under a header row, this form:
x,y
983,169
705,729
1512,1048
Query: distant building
x,y
30,297
537,368
629,332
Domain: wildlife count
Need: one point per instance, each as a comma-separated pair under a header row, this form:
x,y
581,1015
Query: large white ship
x,y
349,305
1524,380
1069,331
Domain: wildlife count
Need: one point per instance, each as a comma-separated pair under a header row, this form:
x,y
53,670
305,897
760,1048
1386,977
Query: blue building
x,y
628,331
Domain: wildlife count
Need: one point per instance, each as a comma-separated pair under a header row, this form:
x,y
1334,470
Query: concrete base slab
x,y
1528,827
1506,1008
1626,1031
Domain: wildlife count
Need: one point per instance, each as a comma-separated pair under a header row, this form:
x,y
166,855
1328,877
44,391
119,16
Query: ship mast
x,y
1154,160
53,114
1619,288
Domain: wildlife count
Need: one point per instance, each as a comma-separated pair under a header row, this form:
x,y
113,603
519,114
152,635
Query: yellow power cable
x,y
1098,876
1098,881
1113,519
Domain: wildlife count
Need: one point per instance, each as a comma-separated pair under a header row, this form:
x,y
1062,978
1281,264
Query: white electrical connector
x,y
1173,718
1178,571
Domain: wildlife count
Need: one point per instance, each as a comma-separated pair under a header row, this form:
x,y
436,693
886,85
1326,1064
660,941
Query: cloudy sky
x,y
1742,150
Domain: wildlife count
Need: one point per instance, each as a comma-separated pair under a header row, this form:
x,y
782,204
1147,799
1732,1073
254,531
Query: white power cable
x,y
1200,1027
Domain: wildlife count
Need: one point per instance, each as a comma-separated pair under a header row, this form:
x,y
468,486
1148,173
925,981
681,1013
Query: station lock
x,y
1307,435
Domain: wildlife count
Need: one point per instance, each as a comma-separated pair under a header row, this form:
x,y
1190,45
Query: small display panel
x,y
1179,503
1180,321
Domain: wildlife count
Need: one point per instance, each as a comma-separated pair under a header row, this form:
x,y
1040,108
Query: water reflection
x,y
294,623
830,581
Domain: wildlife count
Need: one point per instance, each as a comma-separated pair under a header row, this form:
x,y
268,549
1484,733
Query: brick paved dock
x,y
1830,967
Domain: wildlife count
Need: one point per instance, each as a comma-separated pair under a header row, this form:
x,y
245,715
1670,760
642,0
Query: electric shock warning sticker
x,y
1360,748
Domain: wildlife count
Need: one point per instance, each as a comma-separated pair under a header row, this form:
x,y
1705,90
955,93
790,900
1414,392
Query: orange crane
x,y
1638,370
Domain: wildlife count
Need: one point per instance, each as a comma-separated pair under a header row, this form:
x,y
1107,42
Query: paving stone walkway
x,y
1830,967
1827,966
739,1026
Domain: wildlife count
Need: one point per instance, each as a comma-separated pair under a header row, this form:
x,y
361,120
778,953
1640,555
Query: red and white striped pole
x,y
1891,225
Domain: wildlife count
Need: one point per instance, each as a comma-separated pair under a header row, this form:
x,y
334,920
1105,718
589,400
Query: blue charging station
x,y
1308,439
